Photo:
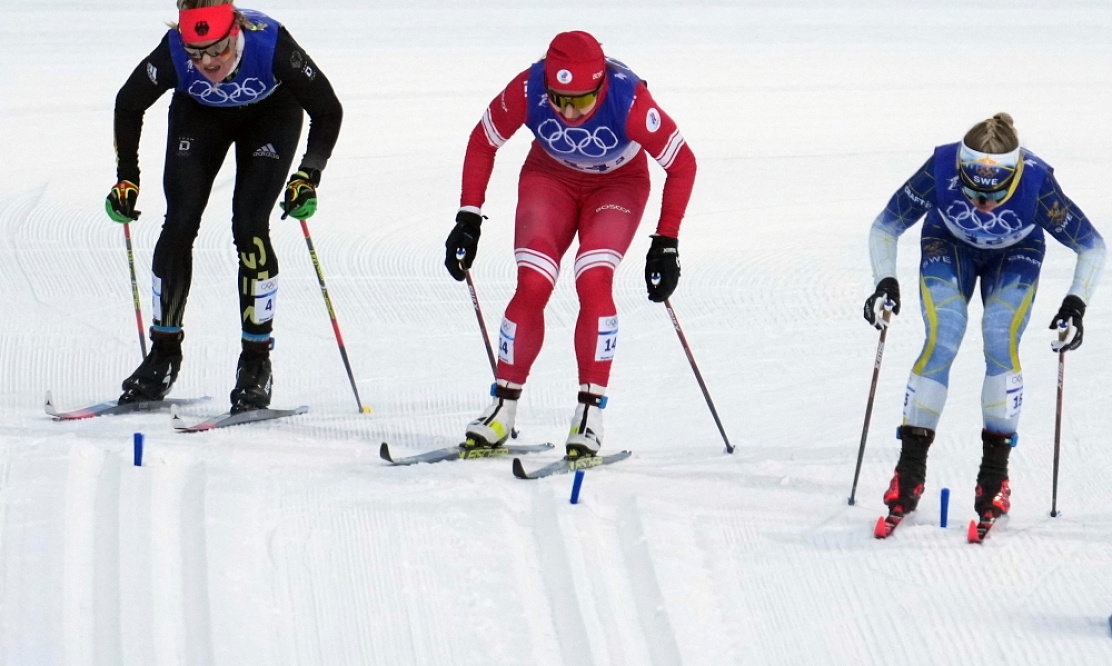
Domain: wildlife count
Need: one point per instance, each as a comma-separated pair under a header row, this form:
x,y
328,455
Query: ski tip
x,y
973,535
881,530
176,420
384,452
519,469
48,404
301,410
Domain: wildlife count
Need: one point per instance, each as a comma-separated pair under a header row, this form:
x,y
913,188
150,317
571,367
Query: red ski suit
x,y
556,201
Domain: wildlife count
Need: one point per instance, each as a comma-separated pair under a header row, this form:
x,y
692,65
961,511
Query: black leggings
x,y
265,137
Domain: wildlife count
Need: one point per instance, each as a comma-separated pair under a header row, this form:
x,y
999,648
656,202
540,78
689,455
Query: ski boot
x,y
906,487
494,426
585,436
253,378
993,497
155,376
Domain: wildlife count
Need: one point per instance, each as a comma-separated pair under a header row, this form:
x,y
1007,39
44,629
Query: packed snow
x,y
291,542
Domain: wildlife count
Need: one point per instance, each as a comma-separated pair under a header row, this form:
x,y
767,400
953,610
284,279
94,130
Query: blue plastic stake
x,y
576,485
945,505
138,440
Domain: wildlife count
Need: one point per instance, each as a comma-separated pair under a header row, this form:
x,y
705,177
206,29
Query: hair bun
x,y
1005,118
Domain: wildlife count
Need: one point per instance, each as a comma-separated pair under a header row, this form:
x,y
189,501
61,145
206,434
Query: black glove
x,y
300,199
889,290
462,244
120,203
662,268
1070,314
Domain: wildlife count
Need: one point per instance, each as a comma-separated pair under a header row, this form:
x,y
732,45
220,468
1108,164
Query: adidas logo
x,y
266,151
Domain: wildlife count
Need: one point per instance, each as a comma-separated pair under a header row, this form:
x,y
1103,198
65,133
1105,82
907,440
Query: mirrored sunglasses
x,y
216,50
997,195
578,102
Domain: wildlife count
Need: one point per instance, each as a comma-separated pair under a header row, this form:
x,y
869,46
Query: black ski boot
x,y
155,376
906,488
993,492
253,380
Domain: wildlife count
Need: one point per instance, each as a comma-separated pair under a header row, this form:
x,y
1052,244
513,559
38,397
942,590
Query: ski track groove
x,y
79,569
569,623
181,628
659,635
403,588
107,573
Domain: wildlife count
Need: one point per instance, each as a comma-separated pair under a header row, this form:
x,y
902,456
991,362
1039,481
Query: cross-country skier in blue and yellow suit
x,y
987,203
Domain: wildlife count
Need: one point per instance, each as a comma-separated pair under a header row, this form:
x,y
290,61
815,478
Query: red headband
x,y
206,24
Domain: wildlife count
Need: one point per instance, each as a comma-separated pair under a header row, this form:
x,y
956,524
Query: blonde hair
x,y
241,20
995,135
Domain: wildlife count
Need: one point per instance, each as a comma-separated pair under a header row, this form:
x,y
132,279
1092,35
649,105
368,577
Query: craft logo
x,y
152,73
916,198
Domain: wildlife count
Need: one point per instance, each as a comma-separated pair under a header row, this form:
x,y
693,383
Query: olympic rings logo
x,y
993,223
570,140
231,92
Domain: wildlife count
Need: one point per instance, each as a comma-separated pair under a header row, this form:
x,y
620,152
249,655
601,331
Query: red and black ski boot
x,y
902,496
993,497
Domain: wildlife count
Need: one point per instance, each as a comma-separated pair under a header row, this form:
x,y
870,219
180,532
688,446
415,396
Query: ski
x,y
978,530
885,525
461,452
111,408
229,419
565,465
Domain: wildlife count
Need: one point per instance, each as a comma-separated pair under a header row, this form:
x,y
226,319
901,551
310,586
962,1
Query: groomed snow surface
x,y
292,543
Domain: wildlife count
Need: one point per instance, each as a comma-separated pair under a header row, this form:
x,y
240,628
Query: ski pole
x,y
482,325
135,289
363,409
698,375
483,329
872,394
1062,332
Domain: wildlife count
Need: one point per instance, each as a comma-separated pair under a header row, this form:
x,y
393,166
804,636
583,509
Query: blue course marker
x,y
138,446
945,505
576,485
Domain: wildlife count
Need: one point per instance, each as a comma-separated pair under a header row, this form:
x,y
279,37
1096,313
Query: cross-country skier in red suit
x,y
593,121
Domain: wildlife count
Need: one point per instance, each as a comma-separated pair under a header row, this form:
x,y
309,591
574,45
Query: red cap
x,y
206,24
574,62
